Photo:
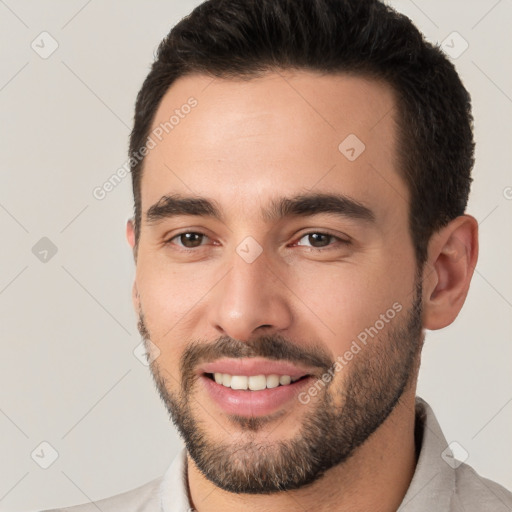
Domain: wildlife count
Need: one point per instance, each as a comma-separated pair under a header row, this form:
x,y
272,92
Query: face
x,y
276,276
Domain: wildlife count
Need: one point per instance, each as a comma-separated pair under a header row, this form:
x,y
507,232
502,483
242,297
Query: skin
x,y
245,144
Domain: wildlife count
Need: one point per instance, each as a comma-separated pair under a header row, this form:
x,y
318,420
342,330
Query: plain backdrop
x,y
69,375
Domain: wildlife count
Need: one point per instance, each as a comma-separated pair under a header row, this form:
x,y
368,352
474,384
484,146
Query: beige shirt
x,y
440,483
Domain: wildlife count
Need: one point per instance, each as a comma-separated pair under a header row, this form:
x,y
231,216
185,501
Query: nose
x,y
250,298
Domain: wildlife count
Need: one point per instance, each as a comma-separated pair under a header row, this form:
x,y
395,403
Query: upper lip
x,y
254,366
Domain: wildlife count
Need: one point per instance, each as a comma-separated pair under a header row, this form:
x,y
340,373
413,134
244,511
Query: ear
x,y
452,257
130,236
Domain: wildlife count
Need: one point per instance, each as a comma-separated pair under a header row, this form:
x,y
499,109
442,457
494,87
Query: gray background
x,y
69,376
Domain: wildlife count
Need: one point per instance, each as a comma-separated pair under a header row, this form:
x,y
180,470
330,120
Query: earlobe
x,y
130,236
453,253
130,232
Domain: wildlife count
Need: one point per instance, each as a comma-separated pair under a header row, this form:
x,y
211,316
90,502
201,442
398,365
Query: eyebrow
x,y
301,205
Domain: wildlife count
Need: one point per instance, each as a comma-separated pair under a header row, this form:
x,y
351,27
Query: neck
x,y
375,478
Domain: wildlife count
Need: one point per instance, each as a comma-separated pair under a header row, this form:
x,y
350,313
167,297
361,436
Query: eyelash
x,y
339,241
311,248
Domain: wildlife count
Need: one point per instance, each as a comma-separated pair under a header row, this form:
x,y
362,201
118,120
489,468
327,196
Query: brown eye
x,y
189,240
317,240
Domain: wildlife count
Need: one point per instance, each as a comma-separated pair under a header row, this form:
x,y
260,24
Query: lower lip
x,y
253,403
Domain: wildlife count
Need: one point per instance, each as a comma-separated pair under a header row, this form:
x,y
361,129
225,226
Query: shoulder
x,y
441,482
475,493
145,498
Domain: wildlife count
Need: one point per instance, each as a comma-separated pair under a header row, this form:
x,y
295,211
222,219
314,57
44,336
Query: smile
x,y
252,382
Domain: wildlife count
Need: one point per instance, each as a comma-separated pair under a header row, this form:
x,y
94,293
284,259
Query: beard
x,y
341,419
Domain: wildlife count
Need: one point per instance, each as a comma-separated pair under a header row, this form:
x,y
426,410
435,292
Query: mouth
x,y
254,387
253,382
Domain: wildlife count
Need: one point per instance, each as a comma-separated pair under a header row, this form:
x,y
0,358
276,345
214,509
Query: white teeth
x,y
254,382
239,382
257,382
272,381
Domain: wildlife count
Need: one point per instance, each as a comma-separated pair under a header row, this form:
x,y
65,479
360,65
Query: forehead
x,y
277,135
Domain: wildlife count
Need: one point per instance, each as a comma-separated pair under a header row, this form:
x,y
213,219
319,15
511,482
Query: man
x,y
300,173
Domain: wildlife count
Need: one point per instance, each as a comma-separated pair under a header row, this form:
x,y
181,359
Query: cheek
x,y
349,301
172,297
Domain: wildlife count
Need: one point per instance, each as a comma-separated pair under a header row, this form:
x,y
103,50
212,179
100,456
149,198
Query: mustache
x,y
274,347
270,346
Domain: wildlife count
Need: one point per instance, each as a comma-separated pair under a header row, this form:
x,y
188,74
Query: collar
x,y
433,483
173,489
